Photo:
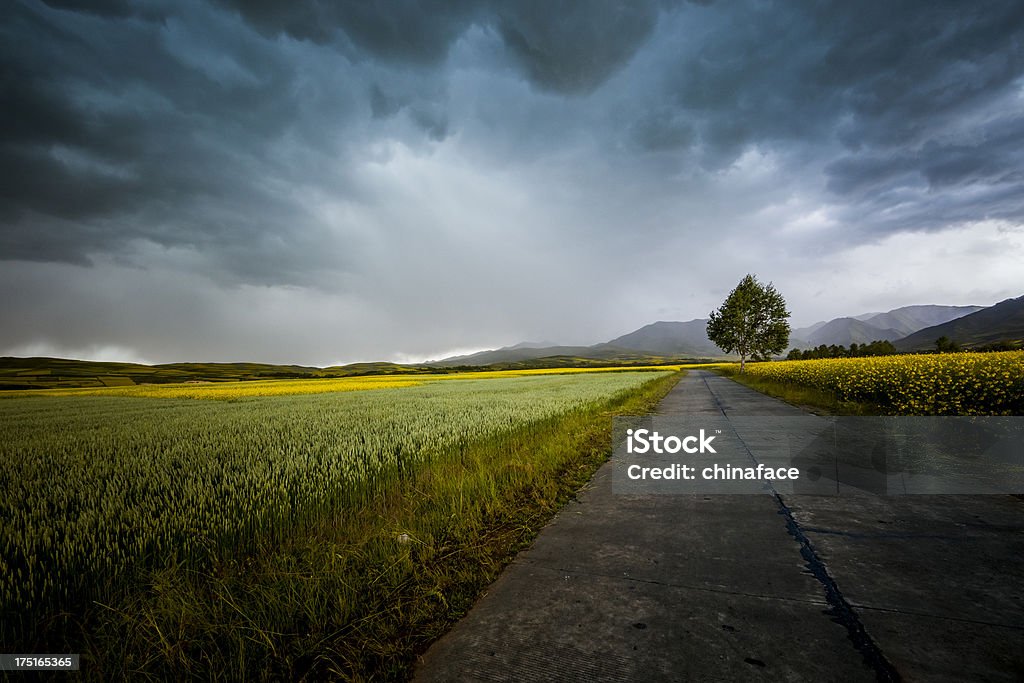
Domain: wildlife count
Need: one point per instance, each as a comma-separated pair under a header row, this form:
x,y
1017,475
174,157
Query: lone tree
x,y
751,322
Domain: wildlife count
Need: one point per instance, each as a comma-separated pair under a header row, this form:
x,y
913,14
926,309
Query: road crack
x,y
841,610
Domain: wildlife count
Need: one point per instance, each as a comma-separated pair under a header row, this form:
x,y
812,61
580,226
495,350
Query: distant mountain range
x,y
888,326
652,342
1002,322
909,328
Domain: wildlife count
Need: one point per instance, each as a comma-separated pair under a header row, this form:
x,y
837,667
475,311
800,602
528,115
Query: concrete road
x,y
752,587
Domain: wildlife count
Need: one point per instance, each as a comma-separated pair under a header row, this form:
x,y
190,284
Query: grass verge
x,y
811,399
360,597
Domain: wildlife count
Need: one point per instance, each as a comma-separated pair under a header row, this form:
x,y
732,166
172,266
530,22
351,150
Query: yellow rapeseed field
x,y
277,387
934,384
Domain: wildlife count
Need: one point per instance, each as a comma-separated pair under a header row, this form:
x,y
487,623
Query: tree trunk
x,y
743,362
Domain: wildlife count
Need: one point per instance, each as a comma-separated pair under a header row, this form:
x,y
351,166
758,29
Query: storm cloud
x,y
321,182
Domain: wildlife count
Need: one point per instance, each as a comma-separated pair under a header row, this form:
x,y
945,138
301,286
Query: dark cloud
x,y
383,105
103,8
662,129
567,47
904,76
381,152
570,47
917,95
143,124
973,175
994,160
156,132
404,31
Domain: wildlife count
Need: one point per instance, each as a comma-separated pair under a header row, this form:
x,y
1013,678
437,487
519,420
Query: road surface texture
x,y
752,587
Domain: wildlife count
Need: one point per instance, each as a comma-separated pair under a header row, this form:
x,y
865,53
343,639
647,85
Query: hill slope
x,y
670,339
51,373
518,354
845,331
910,319
869,327
660,340
1002,322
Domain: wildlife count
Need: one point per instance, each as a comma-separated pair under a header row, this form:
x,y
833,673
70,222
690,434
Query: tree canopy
x,y
753,321
879,347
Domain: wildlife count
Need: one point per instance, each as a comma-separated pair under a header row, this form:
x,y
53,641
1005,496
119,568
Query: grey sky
x,y
319,182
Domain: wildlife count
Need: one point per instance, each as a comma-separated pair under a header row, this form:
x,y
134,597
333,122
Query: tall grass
x,y
320,535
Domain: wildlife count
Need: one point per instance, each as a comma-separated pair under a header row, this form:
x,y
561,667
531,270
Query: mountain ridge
x,y
1002,322
869,327
688,339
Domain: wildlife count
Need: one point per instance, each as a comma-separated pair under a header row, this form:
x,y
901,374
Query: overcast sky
x,y
316,182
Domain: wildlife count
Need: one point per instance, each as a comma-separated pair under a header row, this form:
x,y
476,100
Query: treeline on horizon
x,y
882,347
